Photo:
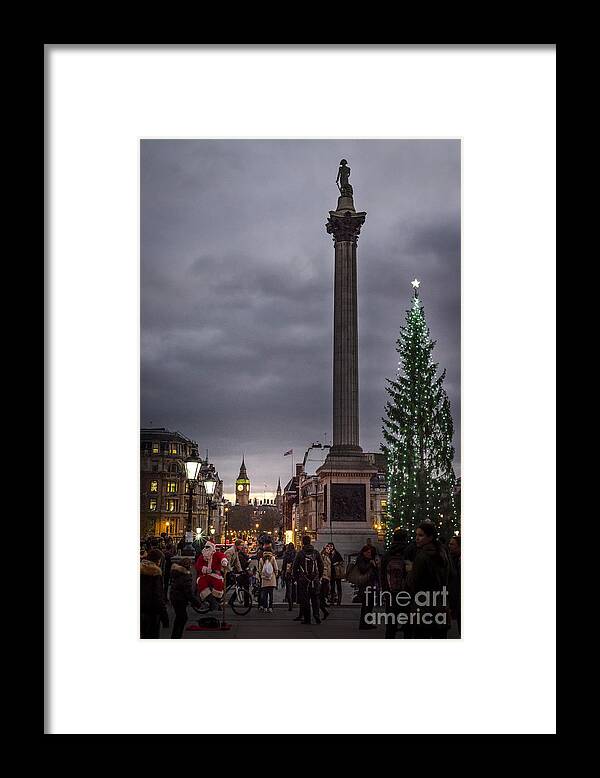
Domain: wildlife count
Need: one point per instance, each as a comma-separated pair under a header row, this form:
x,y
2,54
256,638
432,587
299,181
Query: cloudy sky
x,y
237,288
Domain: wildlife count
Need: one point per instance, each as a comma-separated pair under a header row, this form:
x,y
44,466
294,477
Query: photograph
x,y
303,298
300,388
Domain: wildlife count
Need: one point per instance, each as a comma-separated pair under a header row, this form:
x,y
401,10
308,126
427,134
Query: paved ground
x,y
342,623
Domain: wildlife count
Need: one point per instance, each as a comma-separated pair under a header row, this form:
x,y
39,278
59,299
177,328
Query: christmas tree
x,y
418,435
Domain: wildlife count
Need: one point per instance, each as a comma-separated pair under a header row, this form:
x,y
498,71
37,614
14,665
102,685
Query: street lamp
x,y
225,512
209,488
192,465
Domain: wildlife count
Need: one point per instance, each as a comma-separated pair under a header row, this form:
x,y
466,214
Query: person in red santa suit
x,y
211,567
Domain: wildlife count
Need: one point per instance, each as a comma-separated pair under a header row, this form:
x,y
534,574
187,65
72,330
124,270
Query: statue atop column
x,y
342,179
344,223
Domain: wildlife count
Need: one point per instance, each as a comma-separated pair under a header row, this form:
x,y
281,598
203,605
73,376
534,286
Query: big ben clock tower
x,y
242,487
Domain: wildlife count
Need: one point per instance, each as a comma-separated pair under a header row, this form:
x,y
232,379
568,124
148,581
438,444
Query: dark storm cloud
x,y
237,287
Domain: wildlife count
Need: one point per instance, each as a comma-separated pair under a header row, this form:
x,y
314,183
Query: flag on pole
x,y
287,453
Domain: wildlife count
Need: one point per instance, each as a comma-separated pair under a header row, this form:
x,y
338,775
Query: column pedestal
x,y
346,484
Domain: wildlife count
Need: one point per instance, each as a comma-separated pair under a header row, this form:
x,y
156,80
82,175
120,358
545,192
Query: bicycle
x,y
240,600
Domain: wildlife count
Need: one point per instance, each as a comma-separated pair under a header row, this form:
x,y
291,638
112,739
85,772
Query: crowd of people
x,y
404,583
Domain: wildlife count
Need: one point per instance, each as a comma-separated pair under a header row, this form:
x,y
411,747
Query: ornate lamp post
x,y
225,516
209,487
192,465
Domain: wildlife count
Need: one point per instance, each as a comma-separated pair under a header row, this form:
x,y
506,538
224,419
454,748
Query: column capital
x,y
345,225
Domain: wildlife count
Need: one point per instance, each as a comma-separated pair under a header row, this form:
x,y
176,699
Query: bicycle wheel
x,y
238,601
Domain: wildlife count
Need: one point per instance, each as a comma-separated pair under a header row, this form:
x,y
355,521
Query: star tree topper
x,y
415,285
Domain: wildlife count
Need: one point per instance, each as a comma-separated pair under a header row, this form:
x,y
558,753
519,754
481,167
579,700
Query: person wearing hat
x,y
211,566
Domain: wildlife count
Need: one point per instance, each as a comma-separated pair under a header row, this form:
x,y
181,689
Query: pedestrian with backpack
x,y
307,570
393,575
267,570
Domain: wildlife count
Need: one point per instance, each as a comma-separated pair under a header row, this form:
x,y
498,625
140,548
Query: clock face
x,y
240,488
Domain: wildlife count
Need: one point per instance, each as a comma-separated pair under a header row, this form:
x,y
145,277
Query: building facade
x,y
289,504
164,490
310,505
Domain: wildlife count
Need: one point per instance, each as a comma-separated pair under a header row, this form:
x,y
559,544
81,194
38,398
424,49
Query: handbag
x,y
354,576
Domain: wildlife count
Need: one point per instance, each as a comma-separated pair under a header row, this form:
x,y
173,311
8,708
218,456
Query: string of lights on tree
x,y
418,431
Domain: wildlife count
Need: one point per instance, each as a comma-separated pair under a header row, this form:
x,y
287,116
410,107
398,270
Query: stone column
x,y
345,476
344,224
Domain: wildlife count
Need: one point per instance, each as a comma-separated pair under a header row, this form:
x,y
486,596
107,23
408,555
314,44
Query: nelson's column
x,y
346,474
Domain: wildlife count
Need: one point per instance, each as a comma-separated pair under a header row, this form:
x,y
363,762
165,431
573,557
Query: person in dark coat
x,y
454,582
428,585
169,553
153,608
244,576
325,591
287,564
371,546
307,571
337,573
393,581
181,592
410,552
367,566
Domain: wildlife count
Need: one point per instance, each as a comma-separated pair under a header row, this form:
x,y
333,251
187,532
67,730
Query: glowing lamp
x,y
209,485
192,463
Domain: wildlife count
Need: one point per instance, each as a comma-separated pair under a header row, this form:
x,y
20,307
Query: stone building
x,y
249,521
379,495
164,486
289,505
268,517
310,505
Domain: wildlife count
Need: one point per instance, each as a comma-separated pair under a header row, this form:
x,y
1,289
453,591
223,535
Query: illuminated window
x,y
173,449
154,486
155,448
152,505
172,487
384,503
171,506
